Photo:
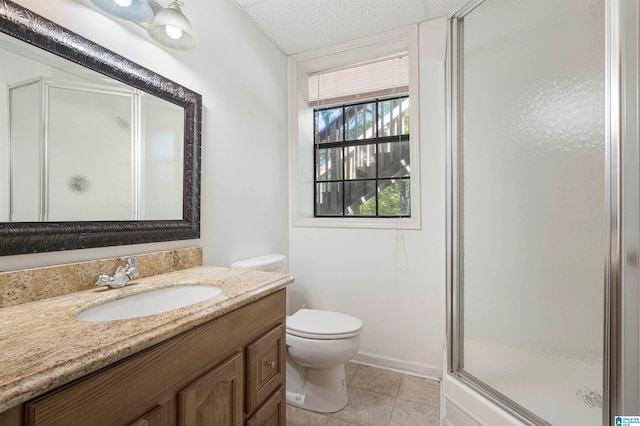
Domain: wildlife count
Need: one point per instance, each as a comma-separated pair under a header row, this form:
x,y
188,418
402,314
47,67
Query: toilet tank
x,y
268,262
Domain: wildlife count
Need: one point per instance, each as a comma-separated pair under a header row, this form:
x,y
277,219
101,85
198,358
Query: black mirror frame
x,y
35,237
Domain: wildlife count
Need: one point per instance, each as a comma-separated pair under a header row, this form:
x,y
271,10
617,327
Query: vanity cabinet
x,y
229,371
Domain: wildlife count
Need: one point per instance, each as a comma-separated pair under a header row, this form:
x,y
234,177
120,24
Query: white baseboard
x,y
401,366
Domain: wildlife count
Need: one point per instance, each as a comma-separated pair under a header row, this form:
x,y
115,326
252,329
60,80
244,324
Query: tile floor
x,y
378,398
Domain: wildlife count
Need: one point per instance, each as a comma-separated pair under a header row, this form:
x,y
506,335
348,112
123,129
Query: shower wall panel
x,y
90,162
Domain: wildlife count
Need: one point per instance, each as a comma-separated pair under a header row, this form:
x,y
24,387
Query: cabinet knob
x,y
271,364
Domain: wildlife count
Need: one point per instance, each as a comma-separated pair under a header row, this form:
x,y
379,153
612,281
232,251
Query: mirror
x,y
95,149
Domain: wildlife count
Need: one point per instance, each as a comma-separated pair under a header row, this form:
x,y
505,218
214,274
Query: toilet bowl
x,y
319,343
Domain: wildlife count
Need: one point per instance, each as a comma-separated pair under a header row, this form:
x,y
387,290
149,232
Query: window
x,y
354,135
362,155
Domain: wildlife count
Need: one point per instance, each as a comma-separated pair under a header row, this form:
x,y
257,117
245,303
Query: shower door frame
x,y
613,360
626,329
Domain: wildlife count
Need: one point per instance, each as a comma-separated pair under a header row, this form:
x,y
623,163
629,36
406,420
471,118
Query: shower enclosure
x,y
543,207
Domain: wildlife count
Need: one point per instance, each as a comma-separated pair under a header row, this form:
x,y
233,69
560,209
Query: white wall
x,y
242,78
356,271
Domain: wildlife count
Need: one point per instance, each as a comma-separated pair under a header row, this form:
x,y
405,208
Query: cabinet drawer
x,y
272,413
151,418
266,364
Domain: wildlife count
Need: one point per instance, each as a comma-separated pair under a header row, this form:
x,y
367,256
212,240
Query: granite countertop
x,y
43,346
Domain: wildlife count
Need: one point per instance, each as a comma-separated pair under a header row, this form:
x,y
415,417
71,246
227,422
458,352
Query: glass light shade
x,y
173,32
168,23
137,11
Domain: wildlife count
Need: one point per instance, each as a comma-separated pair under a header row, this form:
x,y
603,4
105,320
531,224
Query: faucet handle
x,y
103,279
132,273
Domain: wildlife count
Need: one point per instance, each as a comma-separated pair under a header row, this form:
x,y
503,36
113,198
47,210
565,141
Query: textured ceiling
x,y
302,25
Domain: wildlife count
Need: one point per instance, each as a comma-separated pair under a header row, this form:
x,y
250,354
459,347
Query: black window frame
x,y
344,143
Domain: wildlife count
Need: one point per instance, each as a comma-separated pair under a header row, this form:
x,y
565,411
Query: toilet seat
x,y
323,325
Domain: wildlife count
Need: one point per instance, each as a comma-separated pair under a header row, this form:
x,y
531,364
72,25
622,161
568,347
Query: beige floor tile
x,y
299,417
350,370
339,422
418,389
373,401
377,380
367,408
409,413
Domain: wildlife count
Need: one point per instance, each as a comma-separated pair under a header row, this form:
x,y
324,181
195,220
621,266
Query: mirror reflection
x,y
76,145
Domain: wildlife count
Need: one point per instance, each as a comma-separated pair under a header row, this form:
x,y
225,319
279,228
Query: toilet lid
x,y
317,324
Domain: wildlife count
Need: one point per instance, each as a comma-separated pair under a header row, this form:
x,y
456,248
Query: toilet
x,y
319,344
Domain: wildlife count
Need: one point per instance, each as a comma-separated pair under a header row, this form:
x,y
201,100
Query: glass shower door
x,y
529,196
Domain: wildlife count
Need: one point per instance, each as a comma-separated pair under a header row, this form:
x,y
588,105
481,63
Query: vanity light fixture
x,y
131,10
171,28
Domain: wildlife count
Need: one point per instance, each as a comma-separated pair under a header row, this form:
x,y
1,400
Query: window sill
x,y
358,223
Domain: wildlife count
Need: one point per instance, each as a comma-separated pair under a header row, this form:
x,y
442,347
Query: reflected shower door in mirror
x,y
84,147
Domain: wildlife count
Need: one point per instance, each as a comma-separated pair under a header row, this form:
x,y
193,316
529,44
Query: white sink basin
x,y
149,303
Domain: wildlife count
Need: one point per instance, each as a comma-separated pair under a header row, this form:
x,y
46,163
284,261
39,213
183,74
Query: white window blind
x,y
362,82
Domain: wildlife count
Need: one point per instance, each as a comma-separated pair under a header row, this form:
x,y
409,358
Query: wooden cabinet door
x,y
266,366
272,413
215,398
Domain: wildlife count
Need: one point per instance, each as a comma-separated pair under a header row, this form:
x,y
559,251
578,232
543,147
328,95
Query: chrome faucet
x,y
126,271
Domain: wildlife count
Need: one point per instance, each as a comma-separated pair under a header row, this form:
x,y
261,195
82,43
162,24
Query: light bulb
x,y
173,32
123,3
